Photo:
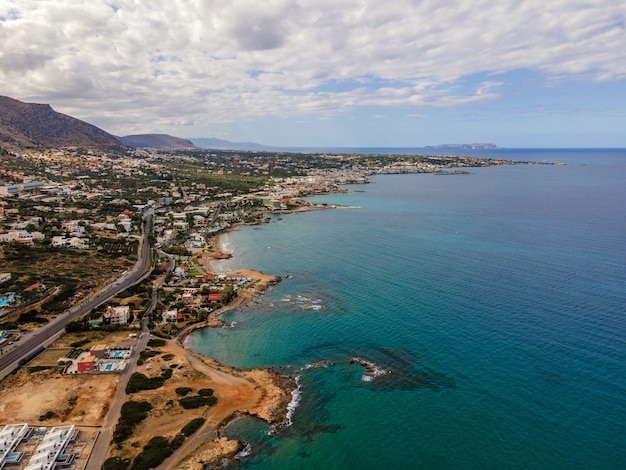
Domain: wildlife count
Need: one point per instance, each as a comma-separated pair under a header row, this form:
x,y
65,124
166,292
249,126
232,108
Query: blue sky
x,y
367,73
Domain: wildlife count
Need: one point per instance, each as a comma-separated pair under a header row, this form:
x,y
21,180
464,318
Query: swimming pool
x,y
7,300
108,367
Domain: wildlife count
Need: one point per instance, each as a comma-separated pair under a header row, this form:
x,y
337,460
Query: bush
x,y
156,343
166,373
115,463
133,413
205,392
182,391
153,454
177,441
78,344
192,426
139,382
47,415
168,357
190,403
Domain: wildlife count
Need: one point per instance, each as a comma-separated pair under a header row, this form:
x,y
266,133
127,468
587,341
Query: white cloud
x,y
163,64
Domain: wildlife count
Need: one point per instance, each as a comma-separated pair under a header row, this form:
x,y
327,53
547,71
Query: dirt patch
x,y
77,399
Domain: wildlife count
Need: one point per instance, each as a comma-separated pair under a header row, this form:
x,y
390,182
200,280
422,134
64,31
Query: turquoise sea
x,y
494,302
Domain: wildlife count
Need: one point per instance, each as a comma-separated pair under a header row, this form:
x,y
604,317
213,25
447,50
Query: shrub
x,y
205,392
115,463
153,454
156,343
168,357
177,441
47,415
182,391
133,413
78,344
196,402
139,381
192,426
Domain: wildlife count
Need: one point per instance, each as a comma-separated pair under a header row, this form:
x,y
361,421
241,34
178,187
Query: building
x,y
170,315
10,437
4,277
116,315
99,350
87,364
51,447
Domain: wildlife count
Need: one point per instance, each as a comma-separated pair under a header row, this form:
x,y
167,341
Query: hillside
x,y
156,141
29,124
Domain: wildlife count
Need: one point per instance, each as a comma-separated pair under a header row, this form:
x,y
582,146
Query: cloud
x,y
154,65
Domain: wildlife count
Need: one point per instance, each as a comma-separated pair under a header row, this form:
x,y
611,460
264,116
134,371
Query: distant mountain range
x,y
29,124
211,143
156,141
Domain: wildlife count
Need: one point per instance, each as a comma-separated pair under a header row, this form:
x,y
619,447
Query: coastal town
x,y
110,258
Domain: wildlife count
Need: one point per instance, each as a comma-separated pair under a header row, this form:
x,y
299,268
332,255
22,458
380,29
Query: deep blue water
x,y
496,299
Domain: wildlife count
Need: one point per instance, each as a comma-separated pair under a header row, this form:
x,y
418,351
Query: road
x,y
30,345
101,447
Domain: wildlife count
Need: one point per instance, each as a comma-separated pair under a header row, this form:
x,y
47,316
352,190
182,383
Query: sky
x,y
349,73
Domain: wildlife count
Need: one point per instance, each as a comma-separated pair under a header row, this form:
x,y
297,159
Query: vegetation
x,y
197,401
153,454
178,441
47,415
182,391
192,426
139,382
133,413
156,343
116,463
205,392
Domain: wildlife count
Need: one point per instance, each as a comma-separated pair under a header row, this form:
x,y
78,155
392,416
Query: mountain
x,y
219,144
156,141
30,124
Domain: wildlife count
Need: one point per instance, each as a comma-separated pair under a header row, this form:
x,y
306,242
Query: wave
x,y
245,452
296,397
372,370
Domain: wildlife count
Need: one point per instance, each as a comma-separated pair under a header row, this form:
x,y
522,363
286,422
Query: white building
x,y
117,315
53,444
10,437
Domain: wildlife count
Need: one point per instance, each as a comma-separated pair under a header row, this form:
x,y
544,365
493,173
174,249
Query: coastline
x,y
279,393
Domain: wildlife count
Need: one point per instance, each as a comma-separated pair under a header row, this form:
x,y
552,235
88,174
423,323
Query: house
x,y
171,315
215,297
4,277
99,350
181,271
87,364
116,315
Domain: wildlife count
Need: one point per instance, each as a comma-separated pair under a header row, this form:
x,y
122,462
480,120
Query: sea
x,y
443,322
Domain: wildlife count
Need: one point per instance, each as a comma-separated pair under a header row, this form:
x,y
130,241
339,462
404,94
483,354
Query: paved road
x,y
29,346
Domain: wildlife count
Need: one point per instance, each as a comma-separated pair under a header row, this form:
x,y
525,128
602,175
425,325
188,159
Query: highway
x,y
31,344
